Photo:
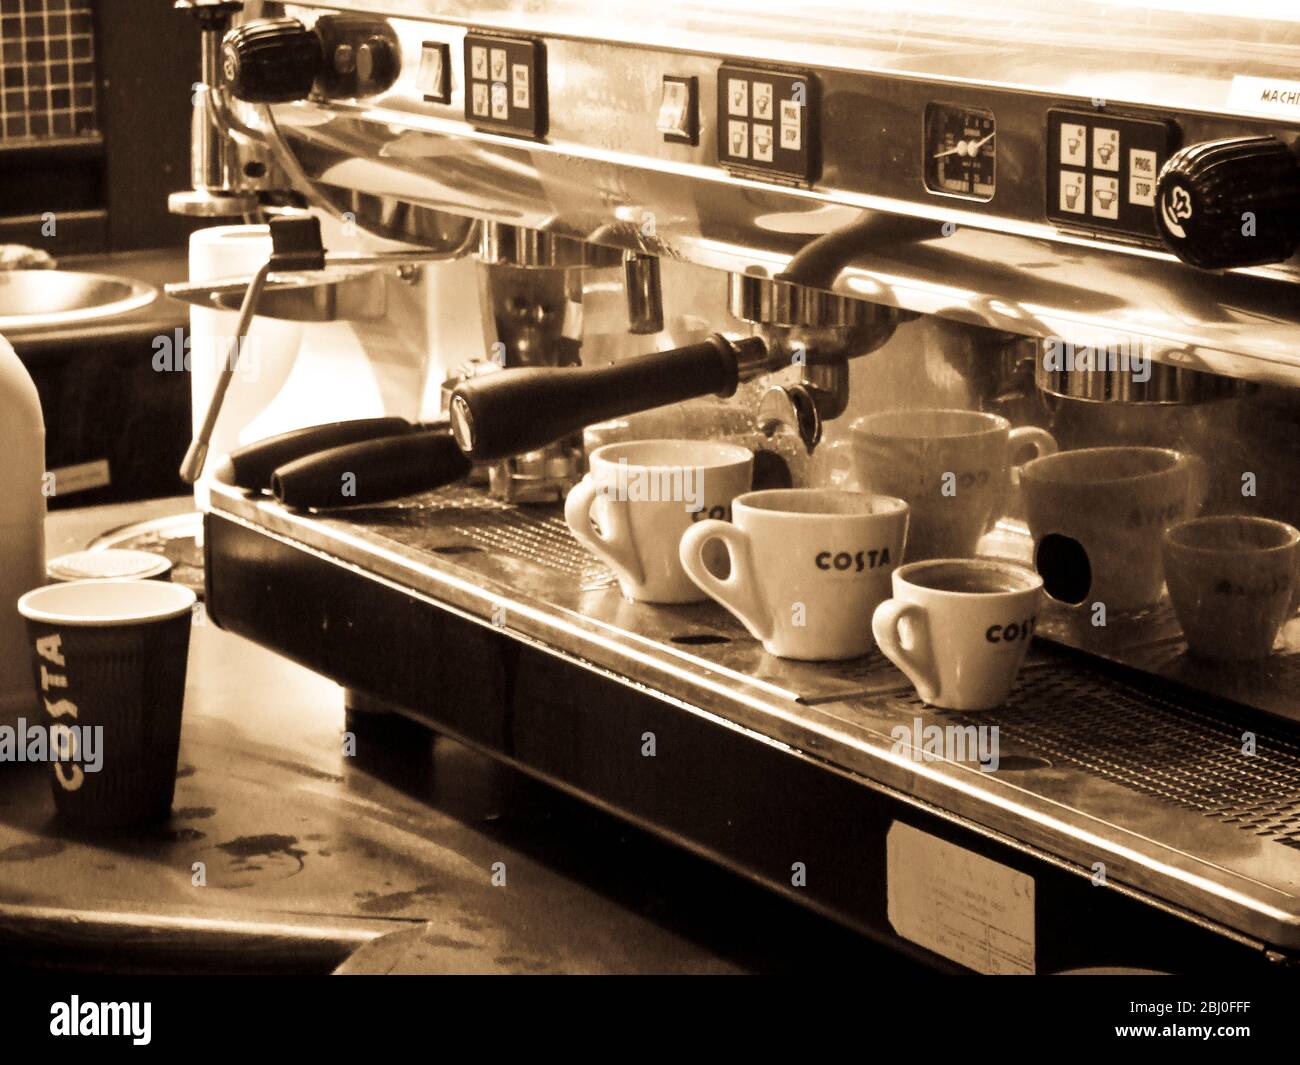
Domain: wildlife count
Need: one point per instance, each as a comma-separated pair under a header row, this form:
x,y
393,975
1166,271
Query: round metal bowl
x,y
46,299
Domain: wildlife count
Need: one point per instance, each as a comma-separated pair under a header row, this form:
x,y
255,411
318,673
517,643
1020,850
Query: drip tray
x,y
1182,796
531,551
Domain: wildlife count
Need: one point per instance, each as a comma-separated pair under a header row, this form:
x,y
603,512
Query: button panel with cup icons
x,y
505,84
1102,168
767,123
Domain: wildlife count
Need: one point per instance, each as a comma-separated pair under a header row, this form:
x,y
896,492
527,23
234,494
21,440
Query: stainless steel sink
x,y
46,299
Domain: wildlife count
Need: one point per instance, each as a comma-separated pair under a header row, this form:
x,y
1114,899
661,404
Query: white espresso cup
x,y
954,468
808,566
959,628
631,510
1098,517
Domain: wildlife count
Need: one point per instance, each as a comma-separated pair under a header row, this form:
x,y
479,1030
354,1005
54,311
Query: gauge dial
x,y
960,151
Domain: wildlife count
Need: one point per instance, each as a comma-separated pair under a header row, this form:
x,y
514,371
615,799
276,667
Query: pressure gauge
x,y
960,151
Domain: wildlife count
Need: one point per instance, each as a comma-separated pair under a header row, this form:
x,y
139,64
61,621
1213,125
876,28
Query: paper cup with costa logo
x,y
959,628
109,660
808,566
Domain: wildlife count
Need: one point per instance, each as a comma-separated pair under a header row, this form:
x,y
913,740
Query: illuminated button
x,y
762,143
519,85
499,64
431,81
1142,177
738,139
1074,144
1141,191
737,96
1073,192
1105,149
500,101
763,100
1105,197
478,62
479,103
675,118
791,125
1142,163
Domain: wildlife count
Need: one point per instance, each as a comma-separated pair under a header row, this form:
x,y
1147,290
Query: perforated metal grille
x,y
545,541
1177,752
535,534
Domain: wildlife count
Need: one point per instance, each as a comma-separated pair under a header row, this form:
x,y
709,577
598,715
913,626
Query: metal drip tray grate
x,y
534,534
1171,751
1097,760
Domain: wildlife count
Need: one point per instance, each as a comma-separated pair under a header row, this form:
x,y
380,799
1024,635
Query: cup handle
x,y
613,545
1043,442
738,592
916,661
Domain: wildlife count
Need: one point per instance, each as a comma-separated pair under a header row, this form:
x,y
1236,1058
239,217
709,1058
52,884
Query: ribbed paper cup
x,y
109,656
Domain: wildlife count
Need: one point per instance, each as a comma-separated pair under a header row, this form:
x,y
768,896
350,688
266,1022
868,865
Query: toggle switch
x,y
432,79
678,119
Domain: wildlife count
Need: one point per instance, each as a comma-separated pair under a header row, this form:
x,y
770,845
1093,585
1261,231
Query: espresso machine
x,y
740,222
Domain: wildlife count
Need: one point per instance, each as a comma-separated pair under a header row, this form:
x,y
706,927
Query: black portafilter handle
x,y
251,466
371,471
517,410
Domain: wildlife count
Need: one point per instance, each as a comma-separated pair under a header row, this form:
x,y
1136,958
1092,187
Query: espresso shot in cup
x,y
959,628
641,496
1231,581
109,661
807,567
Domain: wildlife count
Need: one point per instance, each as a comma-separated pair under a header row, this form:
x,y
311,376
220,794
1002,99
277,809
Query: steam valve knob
x,y
1229,203
376,63
271,61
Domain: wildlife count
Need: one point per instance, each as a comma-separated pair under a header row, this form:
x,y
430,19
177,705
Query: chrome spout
x,y
817,331
645,300
215,191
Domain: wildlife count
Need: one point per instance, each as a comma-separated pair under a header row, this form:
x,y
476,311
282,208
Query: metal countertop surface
x,y
311,855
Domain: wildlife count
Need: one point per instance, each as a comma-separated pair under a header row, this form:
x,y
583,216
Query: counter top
x,y
308,854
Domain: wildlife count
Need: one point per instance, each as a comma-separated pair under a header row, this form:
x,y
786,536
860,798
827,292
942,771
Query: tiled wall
x,y
47,65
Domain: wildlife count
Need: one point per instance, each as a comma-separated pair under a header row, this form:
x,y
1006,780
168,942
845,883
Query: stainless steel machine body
x,y
848,230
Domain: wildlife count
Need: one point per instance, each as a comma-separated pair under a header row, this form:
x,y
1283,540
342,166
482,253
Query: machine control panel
x,y
1102,169
505,84
767,123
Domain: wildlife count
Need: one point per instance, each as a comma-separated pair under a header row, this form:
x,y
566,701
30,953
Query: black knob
x,y
1228,203
376,64
271,60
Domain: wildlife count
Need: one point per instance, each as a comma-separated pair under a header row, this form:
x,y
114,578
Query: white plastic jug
x,y
22,527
